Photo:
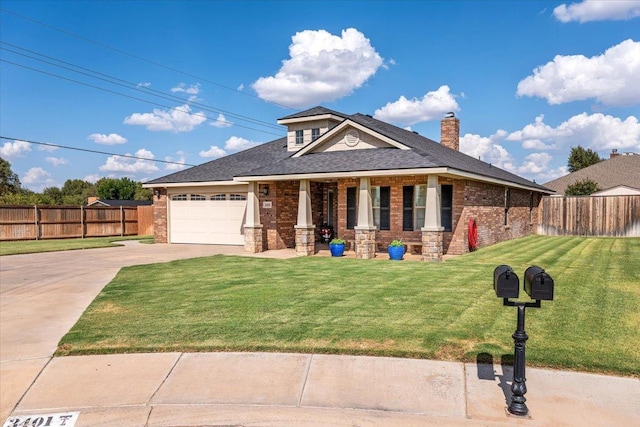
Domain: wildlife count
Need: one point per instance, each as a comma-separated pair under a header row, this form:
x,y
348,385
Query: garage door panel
x,y
208,221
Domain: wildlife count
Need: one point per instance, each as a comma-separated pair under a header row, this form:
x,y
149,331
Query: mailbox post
x,y
539,286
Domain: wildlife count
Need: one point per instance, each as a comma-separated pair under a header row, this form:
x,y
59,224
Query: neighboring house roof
x,y
118,203
616,171
272,159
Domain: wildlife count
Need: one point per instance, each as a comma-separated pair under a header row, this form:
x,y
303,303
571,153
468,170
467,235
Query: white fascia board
x,y
497,181
340,127
310,118
194,184
356,174
395,172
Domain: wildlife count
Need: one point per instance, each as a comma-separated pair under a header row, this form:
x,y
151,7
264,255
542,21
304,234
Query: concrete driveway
x,y
43,295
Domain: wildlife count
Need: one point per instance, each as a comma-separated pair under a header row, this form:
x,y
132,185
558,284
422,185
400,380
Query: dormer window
x,y
315,134
299,137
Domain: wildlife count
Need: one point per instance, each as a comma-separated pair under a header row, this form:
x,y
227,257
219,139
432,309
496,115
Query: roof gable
x,y
609,173
347,136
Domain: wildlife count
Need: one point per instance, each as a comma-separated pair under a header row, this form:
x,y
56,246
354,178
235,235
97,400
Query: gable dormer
x,y
307,126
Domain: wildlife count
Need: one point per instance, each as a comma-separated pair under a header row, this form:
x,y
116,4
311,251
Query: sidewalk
x,y
43,295
271,389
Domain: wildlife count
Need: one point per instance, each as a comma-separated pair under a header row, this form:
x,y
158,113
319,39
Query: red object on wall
x,y
473,235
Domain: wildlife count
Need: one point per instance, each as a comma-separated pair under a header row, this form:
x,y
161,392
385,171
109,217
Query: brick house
x,y
371,181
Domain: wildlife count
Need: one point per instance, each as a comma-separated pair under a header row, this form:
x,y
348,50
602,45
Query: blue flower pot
x,y
337,249
396,252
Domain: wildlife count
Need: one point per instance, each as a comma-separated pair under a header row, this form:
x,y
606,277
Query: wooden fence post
x,y
121,221
37,225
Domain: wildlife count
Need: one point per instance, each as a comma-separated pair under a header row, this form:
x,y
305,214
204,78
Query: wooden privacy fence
x,y
60,222
590,216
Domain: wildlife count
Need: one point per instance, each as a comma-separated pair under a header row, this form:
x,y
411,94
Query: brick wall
x,y
486,204
279,220
160,217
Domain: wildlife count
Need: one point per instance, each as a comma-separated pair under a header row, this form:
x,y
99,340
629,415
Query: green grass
x,y
445,311
52,245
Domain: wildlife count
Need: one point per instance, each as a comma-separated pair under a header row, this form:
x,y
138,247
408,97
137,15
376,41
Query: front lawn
x,y
53,245
445,311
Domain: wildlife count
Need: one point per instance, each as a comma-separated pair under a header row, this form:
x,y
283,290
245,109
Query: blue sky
x,y
188,81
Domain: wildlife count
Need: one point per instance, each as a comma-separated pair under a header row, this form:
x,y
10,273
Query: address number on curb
x,y
64,419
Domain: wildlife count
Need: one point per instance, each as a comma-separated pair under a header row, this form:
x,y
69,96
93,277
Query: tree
x,y
585,187
77,191
116,189
9,181
580,158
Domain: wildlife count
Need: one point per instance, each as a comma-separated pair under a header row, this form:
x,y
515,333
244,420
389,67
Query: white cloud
x,y
47,148
179,119
144,84
93,178
221,122
191,90
111,139
596,131
322,67
235,143
56,161
36,179
408,112
14,149
129,165
173,166
597,10
610,78
241,87
487,149
213,151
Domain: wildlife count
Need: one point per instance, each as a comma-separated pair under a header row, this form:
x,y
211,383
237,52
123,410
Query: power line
x,y
128,84
128,156
123,52
127,96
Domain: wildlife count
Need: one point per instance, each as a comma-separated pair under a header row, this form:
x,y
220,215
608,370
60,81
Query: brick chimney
x,y
450,131
614,153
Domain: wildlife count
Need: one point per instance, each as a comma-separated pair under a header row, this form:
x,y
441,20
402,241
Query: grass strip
x,y
445,311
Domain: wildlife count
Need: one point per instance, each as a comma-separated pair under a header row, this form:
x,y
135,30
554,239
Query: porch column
x,y
305,230
252,226
365,231
432,232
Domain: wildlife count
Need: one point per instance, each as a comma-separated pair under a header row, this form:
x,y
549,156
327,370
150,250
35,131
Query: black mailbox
x,y
505,282
538,284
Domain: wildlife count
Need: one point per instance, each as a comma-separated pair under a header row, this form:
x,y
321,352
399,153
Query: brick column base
x,y
253,239
305,241
432,245
365,243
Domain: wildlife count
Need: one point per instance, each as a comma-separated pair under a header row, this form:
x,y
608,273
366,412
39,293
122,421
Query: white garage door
x,y
207,218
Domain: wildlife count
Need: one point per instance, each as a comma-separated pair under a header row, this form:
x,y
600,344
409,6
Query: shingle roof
x,y
225,168
613,172
273,159
315,111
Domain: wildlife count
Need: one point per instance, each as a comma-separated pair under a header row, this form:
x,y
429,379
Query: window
x,y
414,199
197,197
179,197
299,137
352,200
446,207
219,197
531,207
237,197
381,201
419,206
315,133
507,205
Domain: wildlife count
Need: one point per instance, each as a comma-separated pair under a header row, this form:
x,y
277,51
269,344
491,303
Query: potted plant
x,y
336,246
396,250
